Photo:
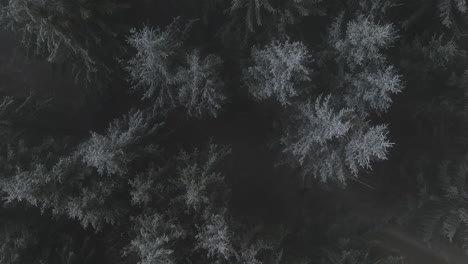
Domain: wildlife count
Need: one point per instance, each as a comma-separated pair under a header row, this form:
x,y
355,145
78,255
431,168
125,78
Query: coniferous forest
x,y
234,131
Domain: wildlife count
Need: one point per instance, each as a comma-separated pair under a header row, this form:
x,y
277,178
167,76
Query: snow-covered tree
x,y
250,16
366,147
65,31
332,145
151,69
318,125
157,239
334,140
278,72
149,184
193,211
199,85
159,70
108,153
441,52
448,9
253,11
325,77
373,88
362,42
67,187
215,237
438,212
368,78
73,179
200,177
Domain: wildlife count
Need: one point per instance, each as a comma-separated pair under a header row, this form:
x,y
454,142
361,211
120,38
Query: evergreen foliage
x,y
366,82
108,153
249,16
222,130
278,70
200,85
13,240
65,31
156,69
440,210
151,69
156,239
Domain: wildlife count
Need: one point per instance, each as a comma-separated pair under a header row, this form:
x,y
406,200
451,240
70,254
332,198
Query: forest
x,y
233,131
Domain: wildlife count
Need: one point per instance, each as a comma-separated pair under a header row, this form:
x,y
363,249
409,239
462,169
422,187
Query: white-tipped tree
x,y
364,72
199,85
278,71
157,239
67,31
332,139
171,78
108,153
151,69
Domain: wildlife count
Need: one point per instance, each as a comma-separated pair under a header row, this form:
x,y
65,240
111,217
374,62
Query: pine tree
x,y
333,140
156,240
278,71
251,16
151,69
75,179
195,186
366,147
330,145
441,214
253,10
368,79
441,52
447,9
108,153
320,125
67,187
66,31
14,239
325,91
200,87
158,70
215,238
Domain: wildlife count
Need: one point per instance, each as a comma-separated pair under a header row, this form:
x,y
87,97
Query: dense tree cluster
x,y
239,131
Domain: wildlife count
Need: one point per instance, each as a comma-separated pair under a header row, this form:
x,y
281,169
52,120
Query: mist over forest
x,y
233,131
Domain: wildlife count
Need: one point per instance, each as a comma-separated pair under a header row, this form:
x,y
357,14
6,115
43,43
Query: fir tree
x,y
64,31
151,69
108,153
200,87
158,71
331,82
278,71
